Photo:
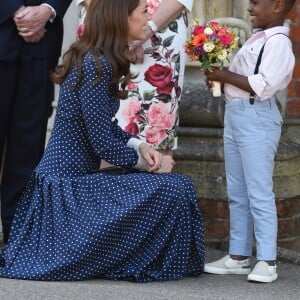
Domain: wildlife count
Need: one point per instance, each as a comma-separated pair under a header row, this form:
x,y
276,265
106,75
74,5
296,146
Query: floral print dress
x,y
151,110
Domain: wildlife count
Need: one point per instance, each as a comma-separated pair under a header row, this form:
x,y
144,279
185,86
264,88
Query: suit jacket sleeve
x,y
60,6
8,7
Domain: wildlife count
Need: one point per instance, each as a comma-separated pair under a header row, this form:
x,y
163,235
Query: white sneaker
x,y
262,272
227,265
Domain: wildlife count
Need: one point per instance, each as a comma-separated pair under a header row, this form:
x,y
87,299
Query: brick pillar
x,y
293,100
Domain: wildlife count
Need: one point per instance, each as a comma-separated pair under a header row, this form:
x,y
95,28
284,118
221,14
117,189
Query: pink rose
x,y
152,6
214,25
132,86
225,40
159,76
198,30
159,116
131,110
155,135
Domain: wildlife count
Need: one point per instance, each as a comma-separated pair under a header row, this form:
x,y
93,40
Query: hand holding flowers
x,y
211,45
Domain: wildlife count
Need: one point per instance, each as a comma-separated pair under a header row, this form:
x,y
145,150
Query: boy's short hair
x,y
289,3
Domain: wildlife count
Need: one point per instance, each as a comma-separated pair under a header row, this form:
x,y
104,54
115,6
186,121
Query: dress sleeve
x,y
188,4
98,109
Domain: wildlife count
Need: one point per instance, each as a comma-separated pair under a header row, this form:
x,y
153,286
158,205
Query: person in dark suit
x,y
31,34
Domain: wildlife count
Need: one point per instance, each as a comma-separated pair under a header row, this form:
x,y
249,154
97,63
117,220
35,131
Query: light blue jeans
x,y
251,137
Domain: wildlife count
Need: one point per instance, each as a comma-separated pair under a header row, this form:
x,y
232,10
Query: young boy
x,y
252,131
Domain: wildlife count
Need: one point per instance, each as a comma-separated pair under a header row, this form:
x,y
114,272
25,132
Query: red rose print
x,y
160,77
132,128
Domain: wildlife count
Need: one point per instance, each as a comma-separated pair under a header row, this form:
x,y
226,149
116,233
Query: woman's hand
x,y
154,161
136,52
151,158
167,164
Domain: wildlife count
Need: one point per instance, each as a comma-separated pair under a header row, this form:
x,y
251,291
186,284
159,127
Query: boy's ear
x,y
279,6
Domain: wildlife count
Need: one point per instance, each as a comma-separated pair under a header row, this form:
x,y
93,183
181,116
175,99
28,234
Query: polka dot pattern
x,y
74,225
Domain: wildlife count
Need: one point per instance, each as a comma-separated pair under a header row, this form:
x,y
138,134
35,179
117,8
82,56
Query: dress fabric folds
x,y
74,225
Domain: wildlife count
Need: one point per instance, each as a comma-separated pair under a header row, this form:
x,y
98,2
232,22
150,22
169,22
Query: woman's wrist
x,y
141,163
150,29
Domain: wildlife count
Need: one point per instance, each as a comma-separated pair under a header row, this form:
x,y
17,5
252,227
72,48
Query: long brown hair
x,y
106,32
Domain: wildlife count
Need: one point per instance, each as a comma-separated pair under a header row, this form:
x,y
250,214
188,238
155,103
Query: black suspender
x,y
252,96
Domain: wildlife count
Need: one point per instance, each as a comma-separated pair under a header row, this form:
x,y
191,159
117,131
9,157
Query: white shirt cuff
x,y
52,10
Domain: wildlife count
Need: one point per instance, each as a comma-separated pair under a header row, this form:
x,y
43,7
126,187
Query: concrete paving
x,y
206,286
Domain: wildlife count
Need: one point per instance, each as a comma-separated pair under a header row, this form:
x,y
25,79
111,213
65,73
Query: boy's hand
x,y
215,75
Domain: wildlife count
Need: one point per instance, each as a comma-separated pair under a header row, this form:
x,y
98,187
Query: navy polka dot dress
x,y
74,225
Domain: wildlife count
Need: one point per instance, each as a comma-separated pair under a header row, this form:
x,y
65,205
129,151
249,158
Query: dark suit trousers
x,y
26,95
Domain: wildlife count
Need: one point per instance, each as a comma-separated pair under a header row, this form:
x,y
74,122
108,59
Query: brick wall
x,y
293,101
216,219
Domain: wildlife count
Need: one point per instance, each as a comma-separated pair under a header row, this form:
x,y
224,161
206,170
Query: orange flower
x,y
199,39
211,44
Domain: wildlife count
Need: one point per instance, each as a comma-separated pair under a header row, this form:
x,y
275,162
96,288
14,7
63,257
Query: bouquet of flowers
x,y
211,45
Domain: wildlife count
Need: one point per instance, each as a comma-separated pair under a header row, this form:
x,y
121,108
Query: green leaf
x,y
205,65
148,95
173,26
151,50
168,41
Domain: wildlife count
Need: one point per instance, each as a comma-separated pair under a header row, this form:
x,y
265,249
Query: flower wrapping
x,y
211,45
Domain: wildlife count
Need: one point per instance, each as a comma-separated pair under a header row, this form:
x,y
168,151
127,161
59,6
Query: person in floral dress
x,y
150,112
